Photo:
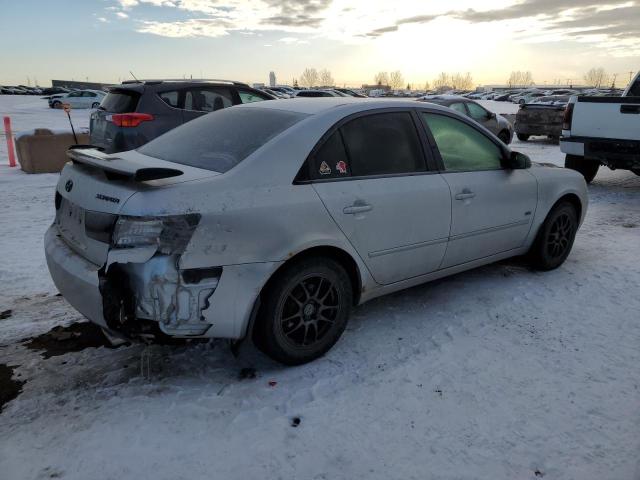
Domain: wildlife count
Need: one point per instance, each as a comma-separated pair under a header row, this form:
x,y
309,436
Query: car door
x,y
370,174
492,206
88,98
74,99
483,117
201,100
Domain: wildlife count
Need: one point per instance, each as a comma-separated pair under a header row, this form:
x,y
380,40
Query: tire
x,y
521,101
95,105
292,307
504,137
555,237
523,137
56,104
588,168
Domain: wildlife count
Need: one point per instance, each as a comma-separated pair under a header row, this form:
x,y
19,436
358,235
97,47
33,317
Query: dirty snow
x,y
496,373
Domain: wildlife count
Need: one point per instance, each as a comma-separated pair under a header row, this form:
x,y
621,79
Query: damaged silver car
x,y
272,220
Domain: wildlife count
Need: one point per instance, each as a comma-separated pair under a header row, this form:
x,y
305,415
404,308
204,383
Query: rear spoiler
x,y
118,168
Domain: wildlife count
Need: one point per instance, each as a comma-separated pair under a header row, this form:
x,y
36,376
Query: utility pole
x,y
613,85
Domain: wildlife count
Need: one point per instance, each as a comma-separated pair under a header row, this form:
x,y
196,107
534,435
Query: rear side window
x,y
462,147
634,91
171,98
384,143
120,101
207,100
458,107
221,140
330,160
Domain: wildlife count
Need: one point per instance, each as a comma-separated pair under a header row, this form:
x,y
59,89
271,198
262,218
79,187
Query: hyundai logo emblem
x,y
69,185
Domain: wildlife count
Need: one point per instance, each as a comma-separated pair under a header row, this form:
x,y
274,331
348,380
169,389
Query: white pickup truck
x,y
603,131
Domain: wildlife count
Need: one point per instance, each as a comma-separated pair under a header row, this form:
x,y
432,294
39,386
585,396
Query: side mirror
x,y
491,115
518,161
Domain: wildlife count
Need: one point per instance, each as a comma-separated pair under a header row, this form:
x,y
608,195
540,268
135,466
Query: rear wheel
x,y
588,168
523,137
305,310
555,238
56,104
95,105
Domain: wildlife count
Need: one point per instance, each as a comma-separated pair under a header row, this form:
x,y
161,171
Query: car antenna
x,y
134,77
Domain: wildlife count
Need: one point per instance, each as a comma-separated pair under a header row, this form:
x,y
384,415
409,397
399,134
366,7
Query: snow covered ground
x,y
497,373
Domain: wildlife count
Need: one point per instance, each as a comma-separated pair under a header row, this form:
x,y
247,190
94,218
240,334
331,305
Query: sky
x,y
103,40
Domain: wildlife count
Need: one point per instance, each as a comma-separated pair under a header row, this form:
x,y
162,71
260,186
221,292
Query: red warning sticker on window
x,y
341,167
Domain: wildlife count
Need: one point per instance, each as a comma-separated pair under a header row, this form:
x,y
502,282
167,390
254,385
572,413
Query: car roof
x,y
317,105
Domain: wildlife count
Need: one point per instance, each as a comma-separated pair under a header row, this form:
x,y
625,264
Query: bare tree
x,y
462,82
396,80
426,86
443,82
309,77
597,77
326,79
520,79
381,78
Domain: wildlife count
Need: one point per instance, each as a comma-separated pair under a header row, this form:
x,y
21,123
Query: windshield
x,y
220,140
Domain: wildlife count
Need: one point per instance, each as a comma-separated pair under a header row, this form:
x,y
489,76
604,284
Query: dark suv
x,y
138,111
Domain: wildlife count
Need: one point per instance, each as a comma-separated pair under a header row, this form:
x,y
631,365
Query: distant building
x,y
272,79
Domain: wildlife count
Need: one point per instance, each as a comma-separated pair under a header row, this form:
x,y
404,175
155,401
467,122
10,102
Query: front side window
x,y
382,144
207,100
247,96
477,112
458,107
461,146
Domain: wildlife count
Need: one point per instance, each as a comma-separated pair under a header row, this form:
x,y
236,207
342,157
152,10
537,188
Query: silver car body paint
x,y
254,219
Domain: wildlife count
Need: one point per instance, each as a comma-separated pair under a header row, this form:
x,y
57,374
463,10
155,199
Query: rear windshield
x,y
220,140
120,101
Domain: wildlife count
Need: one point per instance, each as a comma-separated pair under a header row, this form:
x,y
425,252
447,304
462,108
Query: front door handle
x,y
466,193
357,208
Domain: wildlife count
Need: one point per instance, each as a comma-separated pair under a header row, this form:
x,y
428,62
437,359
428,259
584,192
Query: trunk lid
x,y
103,133
93,189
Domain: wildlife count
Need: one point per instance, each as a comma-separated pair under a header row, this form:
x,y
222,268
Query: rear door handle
x,y
357,208
466,193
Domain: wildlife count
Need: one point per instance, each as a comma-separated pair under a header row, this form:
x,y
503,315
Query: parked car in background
x,y
496,124
78,99
527,97
350,93
272,220
539,119
138,111
603,130
559,100
54,90
318,93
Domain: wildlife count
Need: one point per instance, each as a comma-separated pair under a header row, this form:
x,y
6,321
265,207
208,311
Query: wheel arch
x,y
338,254
574,200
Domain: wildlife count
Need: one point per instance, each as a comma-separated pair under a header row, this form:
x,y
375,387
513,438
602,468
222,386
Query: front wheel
x,y
95,105
56,104
306,308
555,238
523,137
588,168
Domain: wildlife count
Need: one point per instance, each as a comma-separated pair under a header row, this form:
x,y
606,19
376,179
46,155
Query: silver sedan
x,y
272,220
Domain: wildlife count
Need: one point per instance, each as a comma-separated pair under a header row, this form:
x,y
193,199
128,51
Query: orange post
x,y
10,148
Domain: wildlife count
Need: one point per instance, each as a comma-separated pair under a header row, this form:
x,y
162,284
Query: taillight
x,y
129,119
568,116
